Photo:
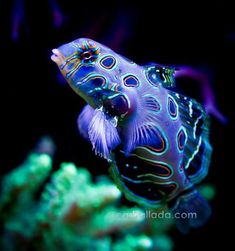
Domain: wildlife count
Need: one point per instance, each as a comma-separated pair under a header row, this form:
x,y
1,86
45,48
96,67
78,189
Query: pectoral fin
x,y
103,134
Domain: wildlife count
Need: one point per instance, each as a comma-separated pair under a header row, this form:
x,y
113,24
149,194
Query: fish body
x,y
155,139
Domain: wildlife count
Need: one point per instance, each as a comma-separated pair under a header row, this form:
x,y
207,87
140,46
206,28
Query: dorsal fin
x,y
197,150
161,75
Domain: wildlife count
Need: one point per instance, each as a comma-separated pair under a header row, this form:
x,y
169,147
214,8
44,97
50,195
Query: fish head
x,y
97,74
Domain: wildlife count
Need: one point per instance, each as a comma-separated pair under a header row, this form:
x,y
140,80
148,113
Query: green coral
x,y
20,185
67,210
130,242
207,191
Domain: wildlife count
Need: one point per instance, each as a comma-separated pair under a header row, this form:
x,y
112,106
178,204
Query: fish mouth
x,y
57,57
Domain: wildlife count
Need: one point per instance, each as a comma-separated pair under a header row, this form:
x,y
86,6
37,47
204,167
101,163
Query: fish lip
x,y
57,56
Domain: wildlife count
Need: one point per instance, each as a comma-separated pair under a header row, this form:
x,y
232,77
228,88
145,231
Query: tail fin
x,y
190,210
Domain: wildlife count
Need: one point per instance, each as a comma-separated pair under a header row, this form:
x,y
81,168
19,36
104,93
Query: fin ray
x,y
103,134
84,119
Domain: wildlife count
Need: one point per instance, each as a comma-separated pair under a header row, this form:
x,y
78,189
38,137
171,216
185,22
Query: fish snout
x,y
57,57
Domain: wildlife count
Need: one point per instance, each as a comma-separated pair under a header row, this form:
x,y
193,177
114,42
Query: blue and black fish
x,y
155,139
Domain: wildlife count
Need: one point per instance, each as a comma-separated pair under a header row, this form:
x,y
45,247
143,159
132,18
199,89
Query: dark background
x,y
35,101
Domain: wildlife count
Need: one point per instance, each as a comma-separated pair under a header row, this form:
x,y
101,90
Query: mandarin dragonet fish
x,y
156,140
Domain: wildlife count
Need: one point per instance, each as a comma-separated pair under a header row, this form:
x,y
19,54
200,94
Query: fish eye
x,y
86,55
